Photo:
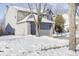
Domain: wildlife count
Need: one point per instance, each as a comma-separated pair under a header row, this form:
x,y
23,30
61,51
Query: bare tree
x,y
72,27
39,16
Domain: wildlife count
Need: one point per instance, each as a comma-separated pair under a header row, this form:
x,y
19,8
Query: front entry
x,y
33,31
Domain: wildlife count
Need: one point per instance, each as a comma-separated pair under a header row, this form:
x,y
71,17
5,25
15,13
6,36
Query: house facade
x,y
66,24
18,22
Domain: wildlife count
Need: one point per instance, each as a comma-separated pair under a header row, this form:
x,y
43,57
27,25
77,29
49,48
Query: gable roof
x,y
27,19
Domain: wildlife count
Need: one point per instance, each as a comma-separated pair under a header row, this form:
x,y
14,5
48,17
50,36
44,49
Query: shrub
x,y
59,24
1,31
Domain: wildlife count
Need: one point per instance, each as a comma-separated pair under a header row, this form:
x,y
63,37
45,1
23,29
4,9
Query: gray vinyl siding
x,y
21,15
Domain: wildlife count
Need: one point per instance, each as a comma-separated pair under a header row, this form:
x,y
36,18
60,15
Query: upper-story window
x,y
49,17
50,14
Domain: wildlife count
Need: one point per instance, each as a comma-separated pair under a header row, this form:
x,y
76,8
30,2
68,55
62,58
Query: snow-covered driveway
x,y
31,45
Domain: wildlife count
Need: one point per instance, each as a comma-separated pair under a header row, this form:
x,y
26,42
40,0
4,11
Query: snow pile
x,y
33,46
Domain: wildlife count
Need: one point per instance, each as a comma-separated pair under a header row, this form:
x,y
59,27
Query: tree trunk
x,y
51,30
72,27
37,29
54,24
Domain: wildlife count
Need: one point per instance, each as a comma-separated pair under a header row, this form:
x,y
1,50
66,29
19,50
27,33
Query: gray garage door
x,y
44,28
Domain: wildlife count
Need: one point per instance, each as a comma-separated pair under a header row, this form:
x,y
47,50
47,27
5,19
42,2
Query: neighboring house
x,y
18,22
66,25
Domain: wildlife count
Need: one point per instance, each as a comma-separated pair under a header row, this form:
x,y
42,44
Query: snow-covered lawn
x,y
34,46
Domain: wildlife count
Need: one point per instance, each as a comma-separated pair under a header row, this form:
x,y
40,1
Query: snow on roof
x,y
44,20
24,9
27,19
20,8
